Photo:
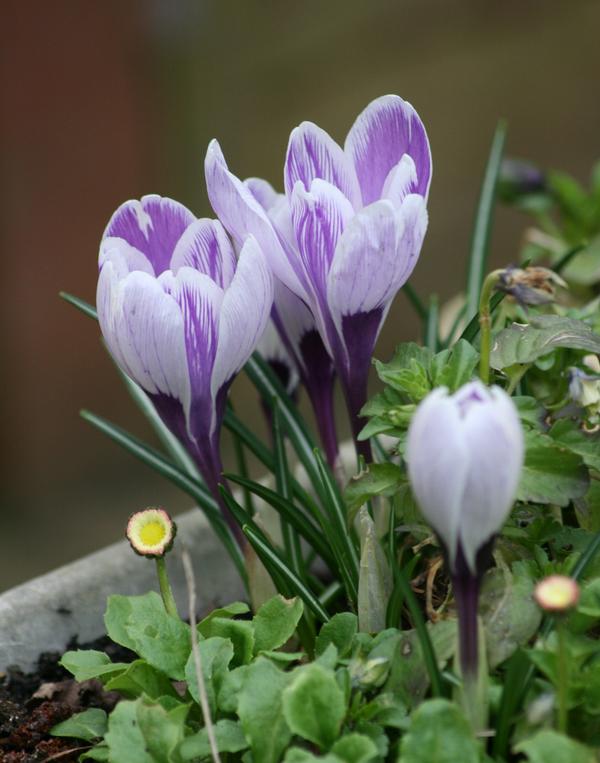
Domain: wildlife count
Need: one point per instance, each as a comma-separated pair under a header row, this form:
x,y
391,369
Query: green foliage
x,y
89,725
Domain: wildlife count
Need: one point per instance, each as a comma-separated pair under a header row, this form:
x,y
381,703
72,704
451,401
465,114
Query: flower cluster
x,y
183,302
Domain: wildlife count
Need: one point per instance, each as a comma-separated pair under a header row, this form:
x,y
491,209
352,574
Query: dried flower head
x,y
151,532
557,593
530,286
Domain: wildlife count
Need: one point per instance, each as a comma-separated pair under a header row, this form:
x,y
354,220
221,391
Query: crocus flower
x,y
465,453
180,316
297,328
350,230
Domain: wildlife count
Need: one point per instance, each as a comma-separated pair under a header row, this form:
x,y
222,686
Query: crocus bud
x,y
465,453
151,532
557,593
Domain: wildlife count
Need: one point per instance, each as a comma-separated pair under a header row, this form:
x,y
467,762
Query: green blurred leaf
x,y
240,633
340,631
89,725
228,611
549,746
260,710
510,615
229,737
377,479
407,370
551,473
454,367
569,434
141,678
355,748
522,344
438,733
275,622
89,663
215,655
375,578
314,705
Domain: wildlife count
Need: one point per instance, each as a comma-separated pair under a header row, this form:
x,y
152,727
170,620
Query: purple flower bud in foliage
x,y
349,232
180,315
465,453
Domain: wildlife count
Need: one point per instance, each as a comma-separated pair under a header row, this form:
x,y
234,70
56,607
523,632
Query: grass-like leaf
x,y
178,477
484,217
415,301
272,560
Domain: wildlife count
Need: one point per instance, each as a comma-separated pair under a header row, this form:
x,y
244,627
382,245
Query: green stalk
x,y
563,676
165,587
485,324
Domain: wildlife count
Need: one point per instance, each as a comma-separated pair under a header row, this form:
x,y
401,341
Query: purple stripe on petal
x,y
244,314
199,300
262,191
153,225
243,216
318,217
313,154
205,247
388,128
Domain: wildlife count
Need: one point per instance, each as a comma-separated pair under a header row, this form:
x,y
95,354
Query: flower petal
x,y
400,180
262,191
153,225
143,329
199,299
313,154
205,247
388,128
493,436
375,256
124,257
438,462
244,314
243,216
319,217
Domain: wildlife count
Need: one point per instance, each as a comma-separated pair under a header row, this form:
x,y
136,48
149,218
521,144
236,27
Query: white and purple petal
x,y
387,129
205,247
243,216
262,191
312,154
244,315
153,225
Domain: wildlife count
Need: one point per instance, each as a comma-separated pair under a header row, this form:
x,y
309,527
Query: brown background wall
x,y
104,101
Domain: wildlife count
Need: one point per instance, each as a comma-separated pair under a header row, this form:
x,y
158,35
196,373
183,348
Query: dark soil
x,y
32,703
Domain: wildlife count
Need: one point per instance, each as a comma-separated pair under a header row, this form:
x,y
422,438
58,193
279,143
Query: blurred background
x,y
102,102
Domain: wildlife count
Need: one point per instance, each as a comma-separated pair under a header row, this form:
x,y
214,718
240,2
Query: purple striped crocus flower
x,y
181,316
349,232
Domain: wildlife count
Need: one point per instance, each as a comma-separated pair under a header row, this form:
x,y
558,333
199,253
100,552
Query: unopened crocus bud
x,y
465,453
151,532
557,593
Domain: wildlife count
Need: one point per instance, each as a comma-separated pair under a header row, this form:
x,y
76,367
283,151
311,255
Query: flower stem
x,y
563,676
165,587
466,593
485,324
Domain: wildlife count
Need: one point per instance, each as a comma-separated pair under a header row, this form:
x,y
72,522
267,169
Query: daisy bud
x,y
151,532
556,593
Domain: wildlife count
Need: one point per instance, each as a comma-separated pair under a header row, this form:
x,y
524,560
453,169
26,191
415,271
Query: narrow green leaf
x,y
471,330
483,221
291,542
272,559
192,487
431,328
415,301
80,304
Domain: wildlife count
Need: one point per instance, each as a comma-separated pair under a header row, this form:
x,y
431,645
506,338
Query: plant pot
x,y
48,612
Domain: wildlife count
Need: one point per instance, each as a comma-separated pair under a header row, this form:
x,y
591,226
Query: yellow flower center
x,y
152,533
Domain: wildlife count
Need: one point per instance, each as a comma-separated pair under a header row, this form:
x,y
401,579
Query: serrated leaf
x,y
377,479
85,664
454,367
215,655
340,632
438,733
239,632
314,705
520,344
275,622
260,710
89,725
407,370
229,737
549,746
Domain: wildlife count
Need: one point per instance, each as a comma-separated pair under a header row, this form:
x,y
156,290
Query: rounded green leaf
x,y
439,733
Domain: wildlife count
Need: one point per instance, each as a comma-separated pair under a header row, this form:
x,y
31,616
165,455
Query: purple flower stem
x,y
466,593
